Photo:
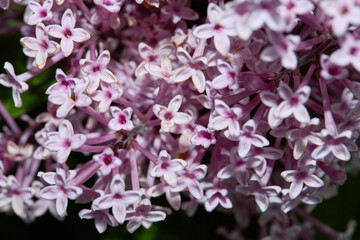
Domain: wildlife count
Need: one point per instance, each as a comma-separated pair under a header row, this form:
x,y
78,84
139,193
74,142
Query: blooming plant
x,y
252,101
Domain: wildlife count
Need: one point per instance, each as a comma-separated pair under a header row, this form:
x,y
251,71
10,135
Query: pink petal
x,y
68,19
222,43
204,31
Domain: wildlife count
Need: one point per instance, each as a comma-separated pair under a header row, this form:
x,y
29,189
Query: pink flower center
x,y
67,33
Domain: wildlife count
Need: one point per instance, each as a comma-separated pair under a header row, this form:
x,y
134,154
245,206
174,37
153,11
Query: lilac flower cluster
x,y
252,109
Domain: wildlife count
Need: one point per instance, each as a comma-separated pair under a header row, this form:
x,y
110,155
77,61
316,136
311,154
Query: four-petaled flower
x,y
293,103
143,214
41,45
11,80
59,188
303,175
118,199
121,119
169,115
63,141
67,32
107,160
96,71
40,13
217,28
167,168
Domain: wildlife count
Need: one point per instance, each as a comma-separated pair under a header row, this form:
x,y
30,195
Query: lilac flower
x,y
330,71
349,52
16,196
151,56
164,71
142,213
67,102
118,199
227,78
41,45
63,141
18,153
107,160
121,119
225,117
247,137
102,218
189,178
240,167
177,10
67,32
283,47
40,13
271,100
96,71
63,83
167,168
203,136
191,68
302,136
290,9
11,80
215,197
169,115
173,198
107,94
303,175
59,188
343,13
293,103
261,193
334,144
216,28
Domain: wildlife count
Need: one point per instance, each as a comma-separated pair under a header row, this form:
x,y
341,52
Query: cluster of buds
x,y
252,108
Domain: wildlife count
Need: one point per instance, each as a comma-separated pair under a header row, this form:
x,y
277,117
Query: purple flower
x,y
142,214
247,137
118,199
191,68
216,28
283,47
96,71
63,84
107,160
63,141
303,175
342,13
167,168
106,95
349,53
11,80
41,45
293,103
67,32
334,144
40,13
59,188
121,119
203,136
189,178
169,115
102,218
67,102
227,78
225,117
151,56
16,196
